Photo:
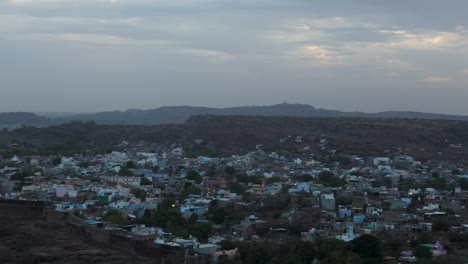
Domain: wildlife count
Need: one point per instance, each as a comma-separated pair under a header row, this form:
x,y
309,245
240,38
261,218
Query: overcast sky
x,y
365,55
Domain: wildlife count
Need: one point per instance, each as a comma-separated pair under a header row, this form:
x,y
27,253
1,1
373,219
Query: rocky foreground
x,y
40,242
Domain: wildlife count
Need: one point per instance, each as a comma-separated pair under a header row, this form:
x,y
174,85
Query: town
x,y
304,198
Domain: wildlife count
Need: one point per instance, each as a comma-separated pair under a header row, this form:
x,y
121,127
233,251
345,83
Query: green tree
x,y
125,172
385,181
95,179
227,245
115,217
191,155
189,189
144,181
449,211
211,171
342,257
464,183
56,160
325,176
171,219
237,188
193,218
201,230
366,246
307,178
440,225
84,164
194,176
130,165
422,252
230,170
327,245
272,180
219,216
246,197
155,169
141,194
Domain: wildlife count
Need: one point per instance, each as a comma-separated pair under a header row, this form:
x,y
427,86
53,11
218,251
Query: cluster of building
x,y
327,193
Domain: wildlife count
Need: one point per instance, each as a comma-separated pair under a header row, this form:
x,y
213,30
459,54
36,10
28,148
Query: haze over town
x,y
61,55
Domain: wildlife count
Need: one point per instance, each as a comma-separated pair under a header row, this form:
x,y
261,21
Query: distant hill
x,y
180,114
18,119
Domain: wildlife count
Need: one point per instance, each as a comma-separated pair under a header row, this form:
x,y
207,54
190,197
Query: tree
x,y
329,179
327,245
307,178
115,217
440,225
272,180
325,176
194,176
84,164
237,188
449,211
155,169
227,245
145,181
56,160
456,172
189,189
140,194
125,172
366,246
230,170
211,171
422,252
201,230
130,165
246,197
193,218
385,181
191,155
218,216
342,257
464,183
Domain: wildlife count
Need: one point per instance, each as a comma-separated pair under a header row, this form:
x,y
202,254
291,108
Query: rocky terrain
x,y
27,242
227,135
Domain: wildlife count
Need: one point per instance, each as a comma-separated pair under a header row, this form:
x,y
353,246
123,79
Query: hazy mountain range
x,y
180,114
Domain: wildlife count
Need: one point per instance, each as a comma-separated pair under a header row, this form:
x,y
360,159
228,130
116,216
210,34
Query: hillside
x,y
22,118
180,114
226,135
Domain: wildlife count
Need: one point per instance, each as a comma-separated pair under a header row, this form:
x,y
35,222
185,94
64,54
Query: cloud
x,y
436,79
426,40
319,53
312,55
97,39
223,56
163,45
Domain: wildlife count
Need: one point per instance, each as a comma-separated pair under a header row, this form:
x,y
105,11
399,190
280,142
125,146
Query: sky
x,y
103,55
